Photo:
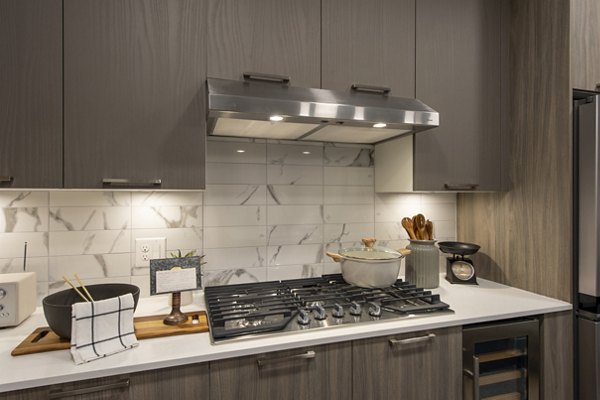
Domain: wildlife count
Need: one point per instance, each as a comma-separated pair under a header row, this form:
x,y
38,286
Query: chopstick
x,y
76,290
83,287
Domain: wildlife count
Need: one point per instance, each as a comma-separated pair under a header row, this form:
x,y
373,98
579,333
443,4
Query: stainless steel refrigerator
x,y
586,232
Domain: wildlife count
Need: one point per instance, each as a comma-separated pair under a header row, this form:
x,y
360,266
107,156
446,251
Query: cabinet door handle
x,y
7,179
129,182
59,394
306,355
358,87
462,186
257,76
475,376
413,340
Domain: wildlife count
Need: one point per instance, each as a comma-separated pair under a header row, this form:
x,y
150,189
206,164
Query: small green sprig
x,y
192,253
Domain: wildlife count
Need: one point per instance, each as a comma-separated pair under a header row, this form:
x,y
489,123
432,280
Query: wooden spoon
x,y
408,225
429,229
419,221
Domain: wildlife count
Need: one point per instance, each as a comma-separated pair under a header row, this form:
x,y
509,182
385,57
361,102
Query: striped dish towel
x,y
101,328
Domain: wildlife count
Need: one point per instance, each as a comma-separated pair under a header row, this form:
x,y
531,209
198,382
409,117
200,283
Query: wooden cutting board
x,y
44,339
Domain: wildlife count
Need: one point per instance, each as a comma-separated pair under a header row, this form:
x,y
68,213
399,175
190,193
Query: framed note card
x,y
168,275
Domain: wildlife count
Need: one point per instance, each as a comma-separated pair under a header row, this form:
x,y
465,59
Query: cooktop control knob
x,y
2,293
338,311
303,317
374,309
320,313
355,308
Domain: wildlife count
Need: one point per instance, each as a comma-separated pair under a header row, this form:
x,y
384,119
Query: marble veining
x,y
228,276
13,216
348,157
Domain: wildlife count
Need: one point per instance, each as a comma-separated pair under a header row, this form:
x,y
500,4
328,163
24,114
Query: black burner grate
x,y
246,309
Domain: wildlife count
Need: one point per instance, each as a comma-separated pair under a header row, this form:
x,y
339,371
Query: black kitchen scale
x,y
459,268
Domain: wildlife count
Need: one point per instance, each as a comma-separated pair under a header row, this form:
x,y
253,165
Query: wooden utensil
x,y
429,229
407,224
419,221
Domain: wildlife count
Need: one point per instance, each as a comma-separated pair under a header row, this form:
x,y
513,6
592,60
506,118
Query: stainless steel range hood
x,y
365,114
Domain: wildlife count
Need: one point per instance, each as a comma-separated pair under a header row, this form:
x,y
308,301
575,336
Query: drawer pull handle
x,y
359,87
129,182
257,76
7,179
58,394
418,339
464,186
474,374
307,356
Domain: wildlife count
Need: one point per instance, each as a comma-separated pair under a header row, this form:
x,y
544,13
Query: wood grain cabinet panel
x,y
291,375
369,43
408,367
182,382
111,388
461,59
31,94
134,92
266,36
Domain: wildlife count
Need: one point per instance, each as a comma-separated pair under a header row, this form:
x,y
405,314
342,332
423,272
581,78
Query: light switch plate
x,y
147,249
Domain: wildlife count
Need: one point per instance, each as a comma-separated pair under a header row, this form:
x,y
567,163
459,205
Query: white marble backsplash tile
x,y
271,209
347,232
24,219
353,176
9,199
241,257
294,175
246,174
347,156
89,218
89,199
235,195
281,215
90,242
293,194
296,154
234,215
294,234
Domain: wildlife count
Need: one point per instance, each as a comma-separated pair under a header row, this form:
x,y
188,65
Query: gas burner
x,y
247,310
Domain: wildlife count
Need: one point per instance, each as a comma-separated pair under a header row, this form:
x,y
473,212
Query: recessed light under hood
x,y
248,108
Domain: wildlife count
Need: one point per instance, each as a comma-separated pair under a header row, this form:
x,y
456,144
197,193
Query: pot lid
x,y
370,252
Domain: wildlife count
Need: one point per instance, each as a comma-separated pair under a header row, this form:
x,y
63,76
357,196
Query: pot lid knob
x,y
369,242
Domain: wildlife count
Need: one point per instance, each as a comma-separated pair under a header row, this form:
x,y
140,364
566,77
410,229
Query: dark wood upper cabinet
x,y
369,42
134,93
461,64
266,36
31,94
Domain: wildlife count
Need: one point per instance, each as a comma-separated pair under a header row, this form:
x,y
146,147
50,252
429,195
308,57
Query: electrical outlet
x,y
147,249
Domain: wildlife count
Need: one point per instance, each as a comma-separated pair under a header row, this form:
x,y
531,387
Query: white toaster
x,y
18,297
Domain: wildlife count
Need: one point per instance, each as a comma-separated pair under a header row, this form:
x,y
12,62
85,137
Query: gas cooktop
x,y
253,309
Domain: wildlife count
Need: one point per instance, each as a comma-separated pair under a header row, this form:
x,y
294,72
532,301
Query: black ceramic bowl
x,y
57,306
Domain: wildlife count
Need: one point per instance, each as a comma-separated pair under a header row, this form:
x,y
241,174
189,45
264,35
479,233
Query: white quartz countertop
x,y
488,301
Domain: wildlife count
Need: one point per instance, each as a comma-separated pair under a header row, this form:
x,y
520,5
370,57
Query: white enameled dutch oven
x,y
369,266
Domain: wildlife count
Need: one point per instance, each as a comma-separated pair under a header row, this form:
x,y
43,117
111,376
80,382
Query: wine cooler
x,y
501,361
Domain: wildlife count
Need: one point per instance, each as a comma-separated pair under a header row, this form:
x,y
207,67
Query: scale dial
x,y
462,270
